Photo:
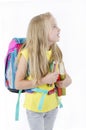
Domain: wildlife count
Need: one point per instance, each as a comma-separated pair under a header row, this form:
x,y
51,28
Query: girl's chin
x,y
58,39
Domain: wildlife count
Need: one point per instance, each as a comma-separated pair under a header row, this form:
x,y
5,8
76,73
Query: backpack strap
x,y
44,93
18,106
60,105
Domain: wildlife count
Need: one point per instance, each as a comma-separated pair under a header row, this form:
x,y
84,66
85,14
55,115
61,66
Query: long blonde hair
x,y
37,44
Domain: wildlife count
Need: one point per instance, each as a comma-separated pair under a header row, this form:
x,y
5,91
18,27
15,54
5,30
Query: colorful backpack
x,y
10,63
11,67
10,71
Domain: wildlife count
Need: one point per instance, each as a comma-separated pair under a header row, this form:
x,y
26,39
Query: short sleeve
x,y
25,53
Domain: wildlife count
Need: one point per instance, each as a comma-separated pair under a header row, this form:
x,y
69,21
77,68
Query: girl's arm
x,y
20,81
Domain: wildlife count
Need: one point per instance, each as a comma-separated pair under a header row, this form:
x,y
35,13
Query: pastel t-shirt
x,y
32,100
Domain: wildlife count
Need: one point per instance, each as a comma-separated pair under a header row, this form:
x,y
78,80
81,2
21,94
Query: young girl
x,y
40,50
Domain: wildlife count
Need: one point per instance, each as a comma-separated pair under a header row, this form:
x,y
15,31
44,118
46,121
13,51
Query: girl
x,y
40,50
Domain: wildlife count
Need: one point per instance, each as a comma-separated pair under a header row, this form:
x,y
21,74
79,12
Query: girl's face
x,y
54,32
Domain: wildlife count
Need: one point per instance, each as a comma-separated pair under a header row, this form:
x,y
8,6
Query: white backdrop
x,y
71,17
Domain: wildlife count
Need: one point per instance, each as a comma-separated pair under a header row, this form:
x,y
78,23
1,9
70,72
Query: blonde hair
x,y
37,44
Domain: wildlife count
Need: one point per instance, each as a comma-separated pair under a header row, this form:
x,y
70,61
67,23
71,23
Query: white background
x,y
71,18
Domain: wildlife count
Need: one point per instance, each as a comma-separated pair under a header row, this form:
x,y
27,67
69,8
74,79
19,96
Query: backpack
x,y
11,67
10,63
10,71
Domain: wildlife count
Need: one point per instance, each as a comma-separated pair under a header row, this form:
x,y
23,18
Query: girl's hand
x,y
50,78
64,83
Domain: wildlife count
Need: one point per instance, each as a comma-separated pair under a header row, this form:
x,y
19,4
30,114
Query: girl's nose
x,y
59,29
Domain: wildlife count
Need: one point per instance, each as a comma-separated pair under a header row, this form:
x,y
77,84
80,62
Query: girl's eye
x,y
54,26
